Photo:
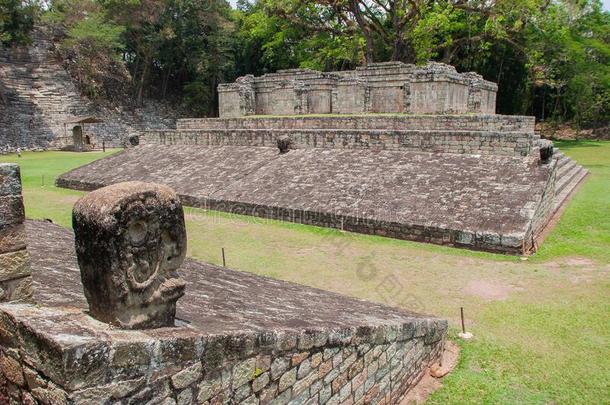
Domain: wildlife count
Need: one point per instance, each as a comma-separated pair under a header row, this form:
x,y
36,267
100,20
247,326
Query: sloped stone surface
x,y
233,301
480,202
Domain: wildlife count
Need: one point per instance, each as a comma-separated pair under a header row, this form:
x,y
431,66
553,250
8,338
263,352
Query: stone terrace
x,y
241,339
479,202
475,134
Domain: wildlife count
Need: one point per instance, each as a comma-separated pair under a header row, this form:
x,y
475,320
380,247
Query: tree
x,y
569,59
17,19
549,58
90,48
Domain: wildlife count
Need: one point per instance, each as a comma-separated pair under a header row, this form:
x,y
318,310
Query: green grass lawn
x,y
541,326
38,173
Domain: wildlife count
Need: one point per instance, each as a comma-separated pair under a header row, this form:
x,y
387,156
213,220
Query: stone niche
x,y
286,98
387,98
238,338
319,96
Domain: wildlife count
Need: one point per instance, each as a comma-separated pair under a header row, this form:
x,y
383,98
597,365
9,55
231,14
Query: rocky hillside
x,y
37,96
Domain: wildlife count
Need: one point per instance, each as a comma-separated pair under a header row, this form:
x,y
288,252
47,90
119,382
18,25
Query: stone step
x,y
561,158
564,165
579,173
564,180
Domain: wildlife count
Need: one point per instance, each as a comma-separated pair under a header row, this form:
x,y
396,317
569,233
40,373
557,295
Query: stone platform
x,y
240,338
480,202
472,133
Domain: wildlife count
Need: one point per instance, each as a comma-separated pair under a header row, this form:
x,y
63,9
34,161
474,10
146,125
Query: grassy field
x,y
541,326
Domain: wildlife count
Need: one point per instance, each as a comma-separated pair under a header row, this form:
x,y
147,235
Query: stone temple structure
x,y
378,88
395,150
233,338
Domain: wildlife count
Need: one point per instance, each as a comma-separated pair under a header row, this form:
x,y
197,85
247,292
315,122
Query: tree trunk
x,y
366,30
165,82
140,97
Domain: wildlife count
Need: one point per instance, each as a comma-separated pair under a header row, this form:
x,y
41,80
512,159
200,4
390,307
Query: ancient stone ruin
x,y
437,166
39,102
392,87
237,338
455,173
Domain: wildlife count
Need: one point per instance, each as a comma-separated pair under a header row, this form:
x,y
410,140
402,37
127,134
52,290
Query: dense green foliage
x,y
550,58
16,21
176,49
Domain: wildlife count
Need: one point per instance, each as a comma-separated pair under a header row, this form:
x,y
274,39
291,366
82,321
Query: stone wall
x,y
542,211
350,96
483,122
391,87
361,366
15,272
471,142
292,344
475,134
508,243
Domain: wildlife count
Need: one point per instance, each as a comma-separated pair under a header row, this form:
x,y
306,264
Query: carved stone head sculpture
x,y
130,240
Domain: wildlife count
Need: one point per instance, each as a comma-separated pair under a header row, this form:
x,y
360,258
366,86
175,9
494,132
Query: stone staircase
x,y
39,96
569,176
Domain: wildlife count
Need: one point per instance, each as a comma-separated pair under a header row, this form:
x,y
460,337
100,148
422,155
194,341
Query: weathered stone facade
x,y
470,134
15,272
239,338
391,87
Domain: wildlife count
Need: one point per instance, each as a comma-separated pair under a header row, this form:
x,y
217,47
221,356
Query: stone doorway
x,y
77,138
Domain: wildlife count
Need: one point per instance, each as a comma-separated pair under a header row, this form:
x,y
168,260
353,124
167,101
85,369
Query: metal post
x,y
224,262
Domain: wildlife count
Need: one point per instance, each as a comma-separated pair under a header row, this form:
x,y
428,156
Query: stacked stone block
x,y
351,95
493,123
15,273
392,87
460,142
439,89
361,365
481,94
239,97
